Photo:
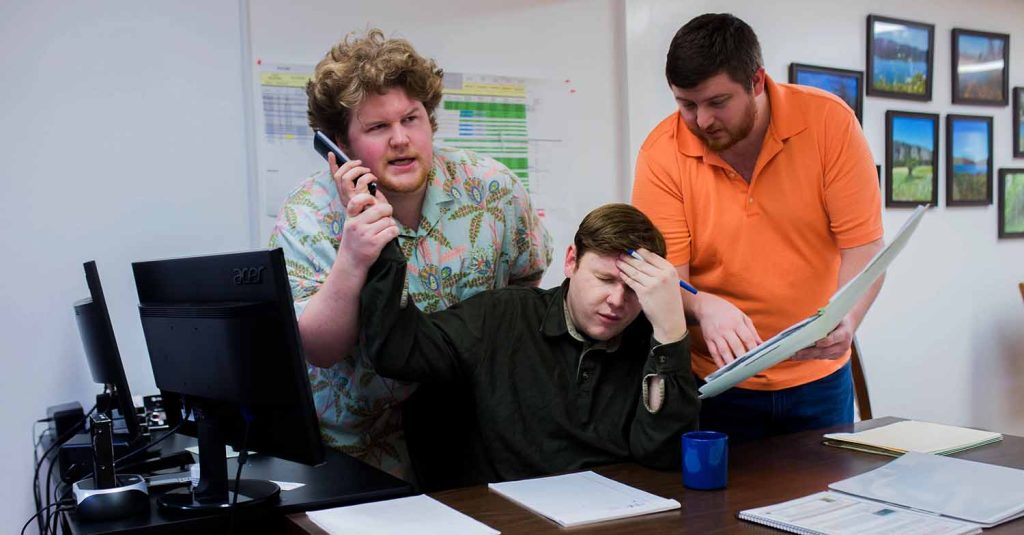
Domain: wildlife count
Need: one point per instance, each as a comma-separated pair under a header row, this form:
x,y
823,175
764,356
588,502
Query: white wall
x,y
121,140
945,339
578,40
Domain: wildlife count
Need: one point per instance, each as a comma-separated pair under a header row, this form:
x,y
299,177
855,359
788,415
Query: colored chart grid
x,y
284,106
487,115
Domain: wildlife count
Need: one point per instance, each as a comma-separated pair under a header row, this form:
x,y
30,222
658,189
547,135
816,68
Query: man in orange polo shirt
x,y
768,199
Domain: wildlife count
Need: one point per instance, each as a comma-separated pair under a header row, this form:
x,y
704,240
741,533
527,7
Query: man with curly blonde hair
x,y
464,222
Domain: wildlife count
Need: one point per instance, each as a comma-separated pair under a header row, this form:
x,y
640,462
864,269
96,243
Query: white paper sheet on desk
x,y
415,514
582,498
288,485
229,452
808,331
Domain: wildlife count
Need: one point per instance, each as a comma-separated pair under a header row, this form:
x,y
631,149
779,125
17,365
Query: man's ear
x,y
570,261
758,81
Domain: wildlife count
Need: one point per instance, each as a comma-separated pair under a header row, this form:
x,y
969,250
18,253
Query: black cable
x,y
50,517
57,443
49,475
55,514
37,440
243,457
39,437
33,517
68,487
139,450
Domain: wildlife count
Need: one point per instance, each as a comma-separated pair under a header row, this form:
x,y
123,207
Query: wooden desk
x,y
760,473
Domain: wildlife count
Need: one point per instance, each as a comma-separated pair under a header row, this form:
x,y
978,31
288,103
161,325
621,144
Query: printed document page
x,y
817,326
415,514
832,512
582,498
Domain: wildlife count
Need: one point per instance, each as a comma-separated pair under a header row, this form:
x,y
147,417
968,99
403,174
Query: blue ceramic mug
x,y
705,460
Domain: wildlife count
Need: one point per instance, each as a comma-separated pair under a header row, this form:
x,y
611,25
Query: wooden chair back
x,y
860,385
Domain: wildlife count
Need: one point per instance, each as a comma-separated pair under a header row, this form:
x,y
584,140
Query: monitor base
x,y
250,492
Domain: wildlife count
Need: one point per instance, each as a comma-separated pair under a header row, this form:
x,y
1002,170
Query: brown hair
x,y
710,44
362,65
614,229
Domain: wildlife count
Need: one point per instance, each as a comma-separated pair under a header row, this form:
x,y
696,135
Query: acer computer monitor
x,y
221,333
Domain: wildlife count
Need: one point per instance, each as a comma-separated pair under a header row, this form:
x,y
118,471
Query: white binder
x,y
806,332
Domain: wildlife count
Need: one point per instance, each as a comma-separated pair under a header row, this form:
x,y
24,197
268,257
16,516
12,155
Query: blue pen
x,y
682,284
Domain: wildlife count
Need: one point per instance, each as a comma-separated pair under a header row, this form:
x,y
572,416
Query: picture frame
x,y
900,58
1011,203
981,67
844,83
1018,122
968,160
911,158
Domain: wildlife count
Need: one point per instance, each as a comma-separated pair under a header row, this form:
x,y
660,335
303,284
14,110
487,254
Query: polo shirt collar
x,y
787,116
787,121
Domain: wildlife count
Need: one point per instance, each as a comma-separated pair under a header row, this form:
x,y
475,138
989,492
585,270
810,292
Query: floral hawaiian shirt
x,y
477,231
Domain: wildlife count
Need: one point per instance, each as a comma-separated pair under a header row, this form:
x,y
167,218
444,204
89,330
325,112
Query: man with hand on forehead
x,y
592,372
464,223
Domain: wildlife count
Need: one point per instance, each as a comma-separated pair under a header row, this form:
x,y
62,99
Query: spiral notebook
x,y
827,512
948,495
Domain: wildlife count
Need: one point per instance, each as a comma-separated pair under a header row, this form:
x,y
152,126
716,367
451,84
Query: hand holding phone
x,y
323,145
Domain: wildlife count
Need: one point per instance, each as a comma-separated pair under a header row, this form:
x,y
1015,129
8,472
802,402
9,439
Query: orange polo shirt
x,y
770,247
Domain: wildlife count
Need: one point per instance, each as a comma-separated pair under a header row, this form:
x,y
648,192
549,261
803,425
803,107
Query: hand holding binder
x,y
808,331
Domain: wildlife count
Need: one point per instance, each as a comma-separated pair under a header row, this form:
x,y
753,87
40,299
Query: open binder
x,y
808,331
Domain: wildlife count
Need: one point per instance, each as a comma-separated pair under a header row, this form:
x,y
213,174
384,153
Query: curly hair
x,y
363,65
615,228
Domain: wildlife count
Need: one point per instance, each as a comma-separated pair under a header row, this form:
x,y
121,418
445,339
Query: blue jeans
x,y
747,415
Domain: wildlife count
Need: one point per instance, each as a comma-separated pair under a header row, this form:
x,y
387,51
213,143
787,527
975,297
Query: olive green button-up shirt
x,y
545,401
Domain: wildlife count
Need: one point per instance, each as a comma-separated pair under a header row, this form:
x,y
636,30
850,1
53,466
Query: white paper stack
x,y
415,514
582,498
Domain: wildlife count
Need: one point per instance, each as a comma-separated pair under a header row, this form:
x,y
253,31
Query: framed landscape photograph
x,y
968,160
981,64
911,154
1011,203
1018,122
899,58
845,84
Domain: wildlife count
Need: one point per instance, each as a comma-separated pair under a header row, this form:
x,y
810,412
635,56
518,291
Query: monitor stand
x,y
216,491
